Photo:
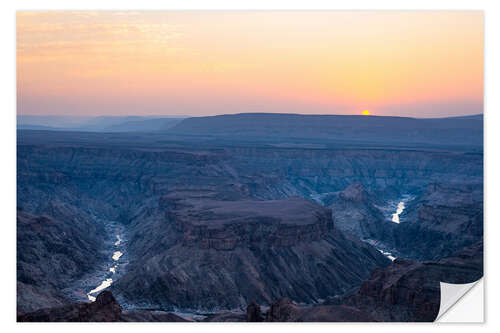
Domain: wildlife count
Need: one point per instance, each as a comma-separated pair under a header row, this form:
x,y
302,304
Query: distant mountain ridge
x,y
462,130
97,124
377,129
472,116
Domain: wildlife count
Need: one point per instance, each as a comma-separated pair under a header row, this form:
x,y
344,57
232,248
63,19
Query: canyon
x,y
211,224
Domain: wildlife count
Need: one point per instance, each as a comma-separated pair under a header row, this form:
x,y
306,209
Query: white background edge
x,y
8,149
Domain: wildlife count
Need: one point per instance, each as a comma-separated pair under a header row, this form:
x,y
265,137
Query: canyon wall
x,y
195,235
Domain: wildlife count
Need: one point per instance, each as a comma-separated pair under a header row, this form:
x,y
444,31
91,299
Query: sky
x,y
399,63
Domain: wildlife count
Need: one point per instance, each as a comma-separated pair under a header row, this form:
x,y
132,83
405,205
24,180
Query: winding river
x,y
399,210
400,207
117,249
113,270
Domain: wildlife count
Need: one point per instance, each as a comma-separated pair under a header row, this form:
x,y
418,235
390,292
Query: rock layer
x,y
409,290
148,182
229,253
355,212
445,218
285,310
52,252
105,308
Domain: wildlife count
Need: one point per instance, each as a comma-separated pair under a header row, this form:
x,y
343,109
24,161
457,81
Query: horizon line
x,y
242,113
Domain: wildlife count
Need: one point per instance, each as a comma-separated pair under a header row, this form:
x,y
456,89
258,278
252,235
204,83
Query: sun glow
x,y
366,113
154,62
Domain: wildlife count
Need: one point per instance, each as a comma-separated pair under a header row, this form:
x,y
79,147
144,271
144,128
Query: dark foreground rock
x,y
409,290
253,312
227,316
405,291
150,316
53,250
286,310
132,179
104,309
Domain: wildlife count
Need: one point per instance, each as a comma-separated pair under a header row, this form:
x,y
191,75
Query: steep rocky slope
x,y
441,219
104,309
107,309
285,310
409,290
230,252
406,290
355,212
52,251
150,184
444,219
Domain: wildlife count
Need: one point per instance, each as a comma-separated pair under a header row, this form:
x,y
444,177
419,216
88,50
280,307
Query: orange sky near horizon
x,y
422,63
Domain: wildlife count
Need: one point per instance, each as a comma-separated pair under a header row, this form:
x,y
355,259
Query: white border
x,y
8,167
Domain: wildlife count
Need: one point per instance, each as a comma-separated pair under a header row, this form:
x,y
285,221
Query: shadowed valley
x,y
249,218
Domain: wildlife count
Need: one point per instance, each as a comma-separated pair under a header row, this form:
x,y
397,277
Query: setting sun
x,y
366,113
150,63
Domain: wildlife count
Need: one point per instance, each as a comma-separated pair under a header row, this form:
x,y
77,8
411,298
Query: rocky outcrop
x,y
105,308
225,225
253,312
409,290
52,251
355,212
285,310
151,316
229,253
440,220
444,219
149,182
117,169
227,316
354,192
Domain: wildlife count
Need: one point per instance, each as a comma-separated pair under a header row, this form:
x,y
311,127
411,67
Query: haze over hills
x,y
304,187
376,129
196,235
463,130
52,121
217,212
97,124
